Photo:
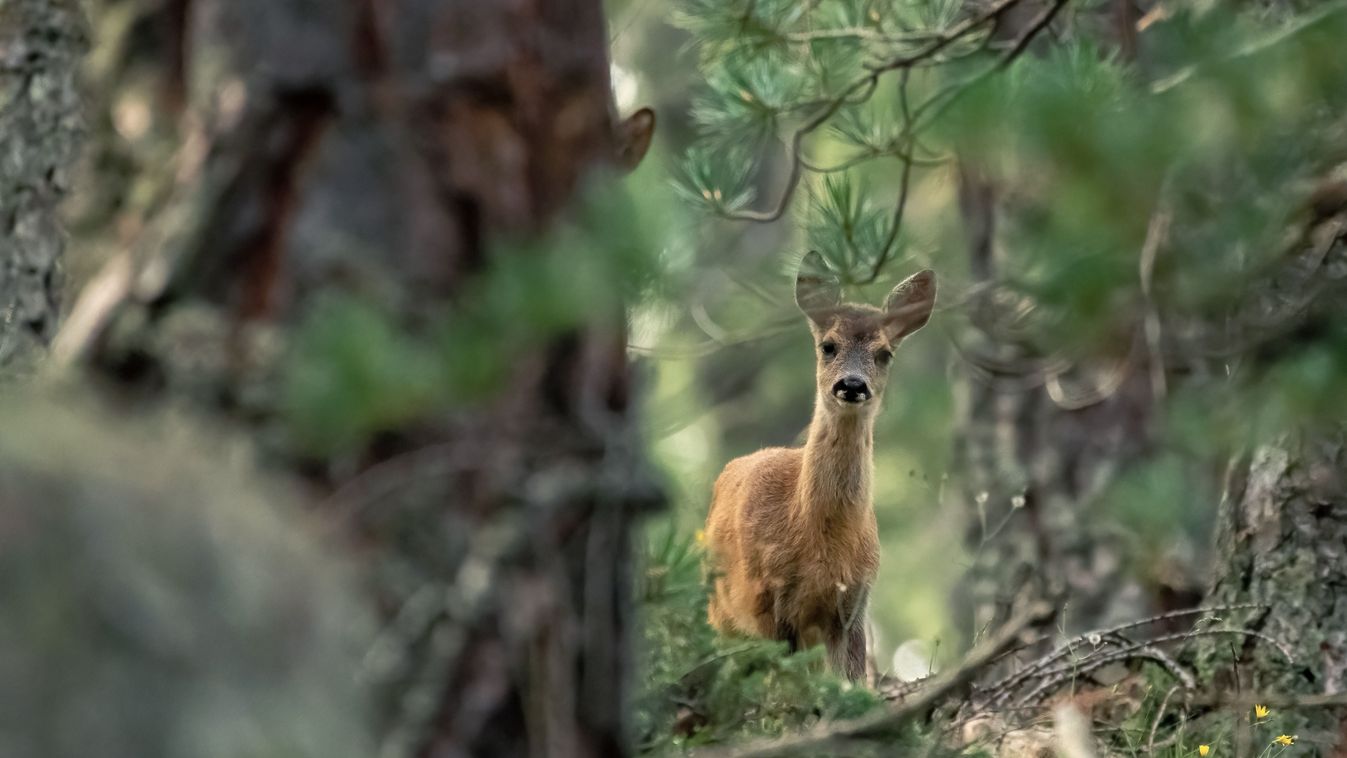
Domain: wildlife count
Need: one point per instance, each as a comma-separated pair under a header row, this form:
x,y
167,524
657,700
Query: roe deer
x,y
791,536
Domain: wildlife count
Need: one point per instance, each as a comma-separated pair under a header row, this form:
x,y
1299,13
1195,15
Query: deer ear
x,y
816,289
633,138
908,307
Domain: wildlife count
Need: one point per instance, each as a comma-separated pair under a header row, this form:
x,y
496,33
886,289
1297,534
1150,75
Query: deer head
x,y
855,343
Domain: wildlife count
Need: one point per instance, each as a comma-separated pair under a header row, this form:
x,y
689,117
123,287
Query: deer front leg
x,y
856,652
783,626
847,650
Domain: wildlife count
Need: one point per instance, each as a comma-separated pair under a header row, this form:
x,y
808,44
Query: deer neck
x,y
838,462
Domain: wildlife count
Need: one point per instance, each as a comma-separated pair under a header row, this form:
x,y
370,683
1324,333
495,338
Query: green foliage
x,y
746,97
698,688
1162,193
844,220
1222,131
1178,730
716,176
355,369
1102,149
1158,502
1231,111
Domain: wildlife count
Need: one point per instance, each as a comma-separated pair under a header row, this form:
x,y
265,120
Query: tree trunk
x,y
1281,542
383,152
41,43
1281,532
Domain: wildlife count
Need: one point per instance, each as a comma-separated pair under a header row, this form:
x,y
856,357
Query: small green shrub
x,y
697,688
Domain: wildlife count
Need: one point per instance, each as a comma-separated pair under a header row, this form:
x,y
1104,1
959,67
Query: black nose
x,y
852,389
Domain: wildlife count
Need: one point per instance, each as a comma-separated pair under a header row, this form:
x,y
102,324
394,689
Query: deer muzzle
x,y
852,389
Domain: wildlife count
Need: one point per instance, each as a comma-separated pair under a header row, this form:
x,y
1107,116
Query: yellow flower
x,y
1286,739
1203,749
1261,711
701,536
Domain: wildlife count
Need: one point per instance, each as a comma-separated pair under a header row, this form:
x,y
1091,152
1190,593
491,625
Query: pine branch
x,y
952,35
862,88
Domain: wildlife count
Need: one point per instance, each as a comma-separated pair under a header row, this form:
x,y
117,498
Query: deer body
x,y
791,535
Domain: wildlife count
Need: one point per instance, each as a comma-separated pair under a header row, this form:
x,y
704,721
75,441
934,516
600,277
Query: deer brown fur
x,y
791,536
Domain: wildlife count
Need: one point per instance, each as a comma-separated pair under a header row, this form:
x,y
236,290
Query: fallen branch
x,y
1056,677
999,691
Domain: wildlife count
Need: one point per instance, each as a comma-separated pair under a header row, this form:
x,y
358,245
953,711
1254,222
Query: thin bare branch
x,y
858,32
1065,649
949,36
866,85
1043,21
1159,716
1057,676
896,223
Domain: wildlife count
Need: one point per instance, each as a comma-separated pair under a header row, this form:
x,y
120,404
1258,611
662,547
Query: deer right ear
x,y
816,290
908,307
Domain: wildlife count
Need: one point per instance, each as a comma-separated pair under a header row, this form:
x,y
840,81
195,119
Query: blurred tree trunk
x,y
1041,437
1037,449
41,43
382,150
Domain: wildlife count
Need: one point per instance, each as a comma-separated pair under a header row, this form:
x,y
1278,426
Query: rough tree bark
x,y
41,44
1282,543
379,149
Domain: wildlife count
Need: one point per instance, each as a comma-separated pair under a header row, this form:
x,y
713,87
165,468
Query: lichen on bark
x,y
41,43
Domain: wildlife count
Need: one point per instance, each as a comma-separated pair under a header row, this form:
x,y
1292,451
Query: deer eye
x,y
829,349
882,357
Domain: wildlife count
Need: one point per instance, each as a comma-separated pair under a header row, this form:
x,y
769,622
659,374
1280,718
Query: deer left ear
x,y
816,290
633,139
908,307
